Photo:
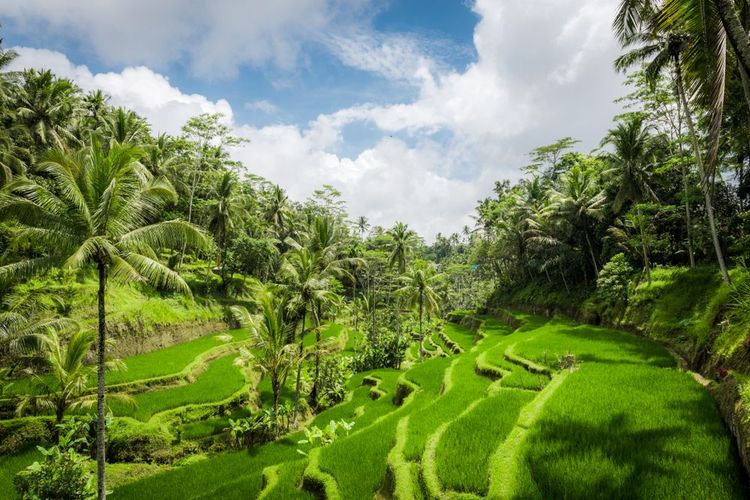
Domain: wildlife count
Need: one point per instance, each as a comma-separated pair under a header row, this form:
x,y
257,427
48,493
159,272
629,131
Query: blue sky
x,y
411,108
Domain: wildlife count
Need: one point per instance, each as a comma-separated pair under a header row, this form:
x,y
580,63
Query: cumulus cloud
x,y
138,88
215,37
542,71
262,105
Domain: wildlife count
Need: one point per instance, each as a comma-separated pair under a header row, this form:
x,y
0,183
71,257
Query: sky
x,y
412,109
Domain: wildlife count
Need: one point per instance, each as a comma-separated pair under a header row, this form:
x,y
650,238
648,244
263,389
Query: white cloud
x,y
543,71
262,105
214,36
138,88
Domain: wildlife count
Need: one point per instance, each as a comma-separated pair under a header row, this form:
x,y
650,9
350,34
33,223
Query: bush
x,y
18,434
613,281
63,475
334,373
385,350
133,441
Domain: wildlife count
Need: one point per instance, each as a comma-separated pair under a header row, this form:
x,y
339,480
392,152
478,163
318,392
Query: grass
x,y
625,423
218,382
464,450
657,436
10,465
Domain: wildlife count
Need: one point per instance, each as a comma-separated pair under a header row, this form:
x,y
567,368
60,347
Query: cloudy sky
x,y
411,108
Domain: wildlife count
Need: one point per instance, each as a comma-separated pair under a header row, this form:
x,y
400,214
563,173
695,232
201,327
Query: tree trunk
x,y
59,414
737,35
644,247
591,252
276,387
299,369
100,403
562,275
706,188
684,172
421,300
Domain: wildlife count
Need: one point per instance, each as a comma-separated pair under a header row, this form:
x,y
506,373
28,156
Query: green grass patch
x,y
218,382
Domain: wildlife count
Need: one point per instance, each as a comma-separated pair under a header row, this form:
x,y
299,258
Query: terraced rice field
x,y
499,419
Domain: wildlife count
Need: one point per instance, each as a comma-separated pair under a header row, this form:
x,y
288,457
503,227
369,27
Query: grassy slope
x,y
218,382
625,414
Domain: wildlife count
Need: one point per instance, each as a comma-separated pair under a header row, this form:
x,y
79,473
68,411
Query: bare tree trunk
x,y
644,248
705,186
100,402
299,369
591,252
684,172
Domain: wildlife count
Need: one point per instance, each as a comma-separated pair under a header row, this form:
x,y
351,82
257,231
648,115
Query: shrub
x,y
17,434
63,475
613,281
133,441
334,373
385,350
567,361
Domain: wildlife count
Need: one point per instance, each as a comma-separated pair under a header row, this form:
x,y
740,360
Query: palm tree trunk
x,y
644,248
100,403
276,387
562,275
193,187
737,35
299,369
421,300
705,183
591,252
684,172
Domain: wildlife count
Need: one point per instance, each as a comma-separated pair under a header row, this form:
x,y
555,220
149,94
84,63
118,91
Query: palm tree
x,y
46,105
309,284
363,225
404,240
223,214
270,331
580,199
634,153
99,213
125,126
417,290
687,34
65,387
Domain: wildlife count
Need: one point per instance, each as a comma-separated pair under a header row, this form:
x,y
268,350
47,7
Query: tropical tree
x,y
580,199
65,386
418,290
45,105
99,211
363,225
270,331
223,214
402,246
689,35
635,151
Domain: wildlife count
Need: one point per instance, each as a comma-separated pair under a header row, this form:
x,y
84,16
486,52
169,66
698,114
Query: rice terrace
x,y
455,249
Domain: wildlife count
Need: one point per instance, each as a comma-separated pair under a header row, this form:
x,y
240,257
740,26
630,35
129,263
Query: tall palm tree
x,y
99,212
124,126
404,240
310,287
580,199
634,154
223,214
688,35
45,105
418,292
270,331
363,225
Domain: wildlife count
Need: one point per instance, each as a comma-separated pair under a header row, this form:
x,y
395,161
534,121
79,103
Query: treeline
x,y
669,183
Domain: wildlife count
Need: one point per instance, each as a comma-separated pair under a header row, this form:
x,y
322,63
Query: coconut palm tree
x,y
100,212
634,153
688,35
45,105
363,225
64,388
310,288
270,331
580,199
404,240
124,126
418,292
223,214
